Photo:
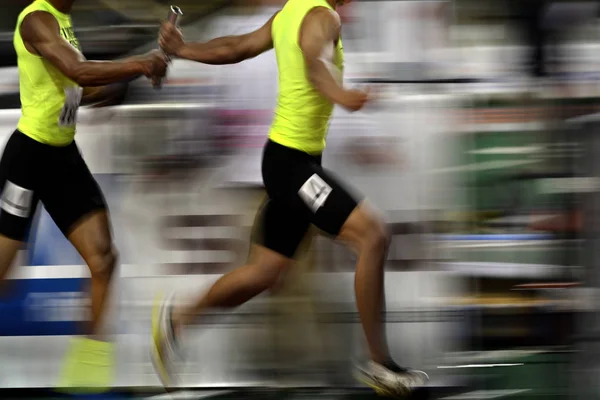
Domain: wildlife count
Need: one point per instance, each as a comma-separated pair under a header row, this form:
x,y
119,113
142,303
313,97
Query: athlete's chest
x,y
67,32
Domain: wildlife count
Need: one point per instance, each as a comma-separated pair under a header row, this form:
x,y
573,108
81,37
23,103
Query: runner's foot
x,y
390,379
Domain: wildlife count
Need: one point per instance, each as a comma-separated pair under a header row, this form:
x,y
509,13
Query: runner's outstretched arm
x,y
41,34
219,51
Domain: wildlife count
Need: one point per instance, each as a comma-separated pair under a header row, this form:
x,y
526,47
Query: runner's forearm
x,y
220,51
100,73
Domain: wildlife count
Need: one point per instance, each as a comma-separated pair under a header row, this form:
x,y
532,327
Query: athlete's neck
x,y
64,6
332,3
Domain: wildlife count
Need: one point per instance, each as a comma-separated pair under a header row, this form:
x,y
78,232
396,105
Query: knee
x,y
103,262
375,237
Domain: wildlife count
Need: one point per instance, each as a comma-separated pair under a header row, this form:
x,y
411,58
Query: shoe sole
x,y
379,389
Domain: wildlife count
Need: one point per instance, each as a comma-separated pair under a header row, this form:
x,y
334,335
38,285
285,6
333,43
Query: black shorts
x,y
299,193
31,171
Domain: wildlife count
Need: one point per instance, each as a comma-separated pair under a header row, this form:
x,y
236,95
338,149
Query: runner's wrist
x,y
138,67
183,51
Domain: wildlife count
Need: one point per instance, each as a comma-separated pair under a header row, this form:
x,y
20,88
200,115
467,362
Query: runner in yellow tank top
x,y
302,114
306,37
41,162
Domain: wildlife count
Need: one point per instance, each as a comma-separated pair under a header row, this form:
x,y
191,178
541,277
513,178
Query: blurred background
x,y
481,155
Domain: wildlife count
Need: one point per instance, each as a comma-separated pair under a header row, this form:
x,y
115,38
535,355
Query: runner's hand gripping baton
x,y
174,14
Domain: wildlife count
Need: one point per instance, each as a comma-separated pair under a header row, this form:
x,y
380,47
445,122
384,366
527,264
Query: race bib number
x,y
68,115
314,192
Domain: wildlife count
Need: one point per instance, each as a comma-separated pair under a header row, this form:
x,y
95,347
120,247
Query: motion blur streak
x,y
481,153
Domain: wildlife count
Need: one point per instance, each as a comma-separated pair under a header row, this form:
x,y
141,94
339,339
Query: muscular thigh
x,y
301,193
72,194
92,238
325,199
279,228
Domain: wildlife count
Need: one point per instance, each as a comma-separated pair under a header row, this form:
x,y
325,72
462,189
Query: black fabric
x,y
56,176
299,193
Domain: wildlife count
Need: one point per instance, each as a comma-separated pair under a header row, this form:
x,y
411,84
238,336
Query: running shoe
x,y
88,367
165,350
390,379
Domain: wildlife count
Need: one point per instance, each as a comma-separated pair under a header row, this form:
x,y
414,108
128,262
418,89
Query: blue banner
x,y
44,307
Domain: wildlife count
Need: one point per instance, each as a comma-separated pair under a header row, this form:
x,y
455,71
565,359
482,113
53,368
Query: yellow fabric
x,y
49,100
88,368
302,115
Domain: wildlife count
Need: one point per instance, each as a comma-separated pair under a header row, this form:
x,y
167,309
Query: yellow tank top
x,y
302,115
49,100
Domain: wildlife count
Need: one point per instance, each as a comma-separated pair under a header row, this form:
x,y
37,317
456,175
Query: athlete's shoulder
x,y
38,24
324,15
336,17
322,20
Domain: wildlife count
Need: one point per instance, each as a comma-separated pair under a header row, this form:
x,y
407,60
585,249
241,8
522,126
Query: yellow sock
x,y
88,367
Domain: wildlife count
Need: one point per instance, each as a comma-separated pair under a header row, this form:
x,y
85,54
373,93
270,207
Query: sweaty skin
x,y
320,31
40,33
220,51
327,58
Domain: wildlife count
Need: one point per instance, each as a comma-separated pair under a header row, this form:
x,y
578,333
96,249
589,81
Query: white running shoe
x,y
390,380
